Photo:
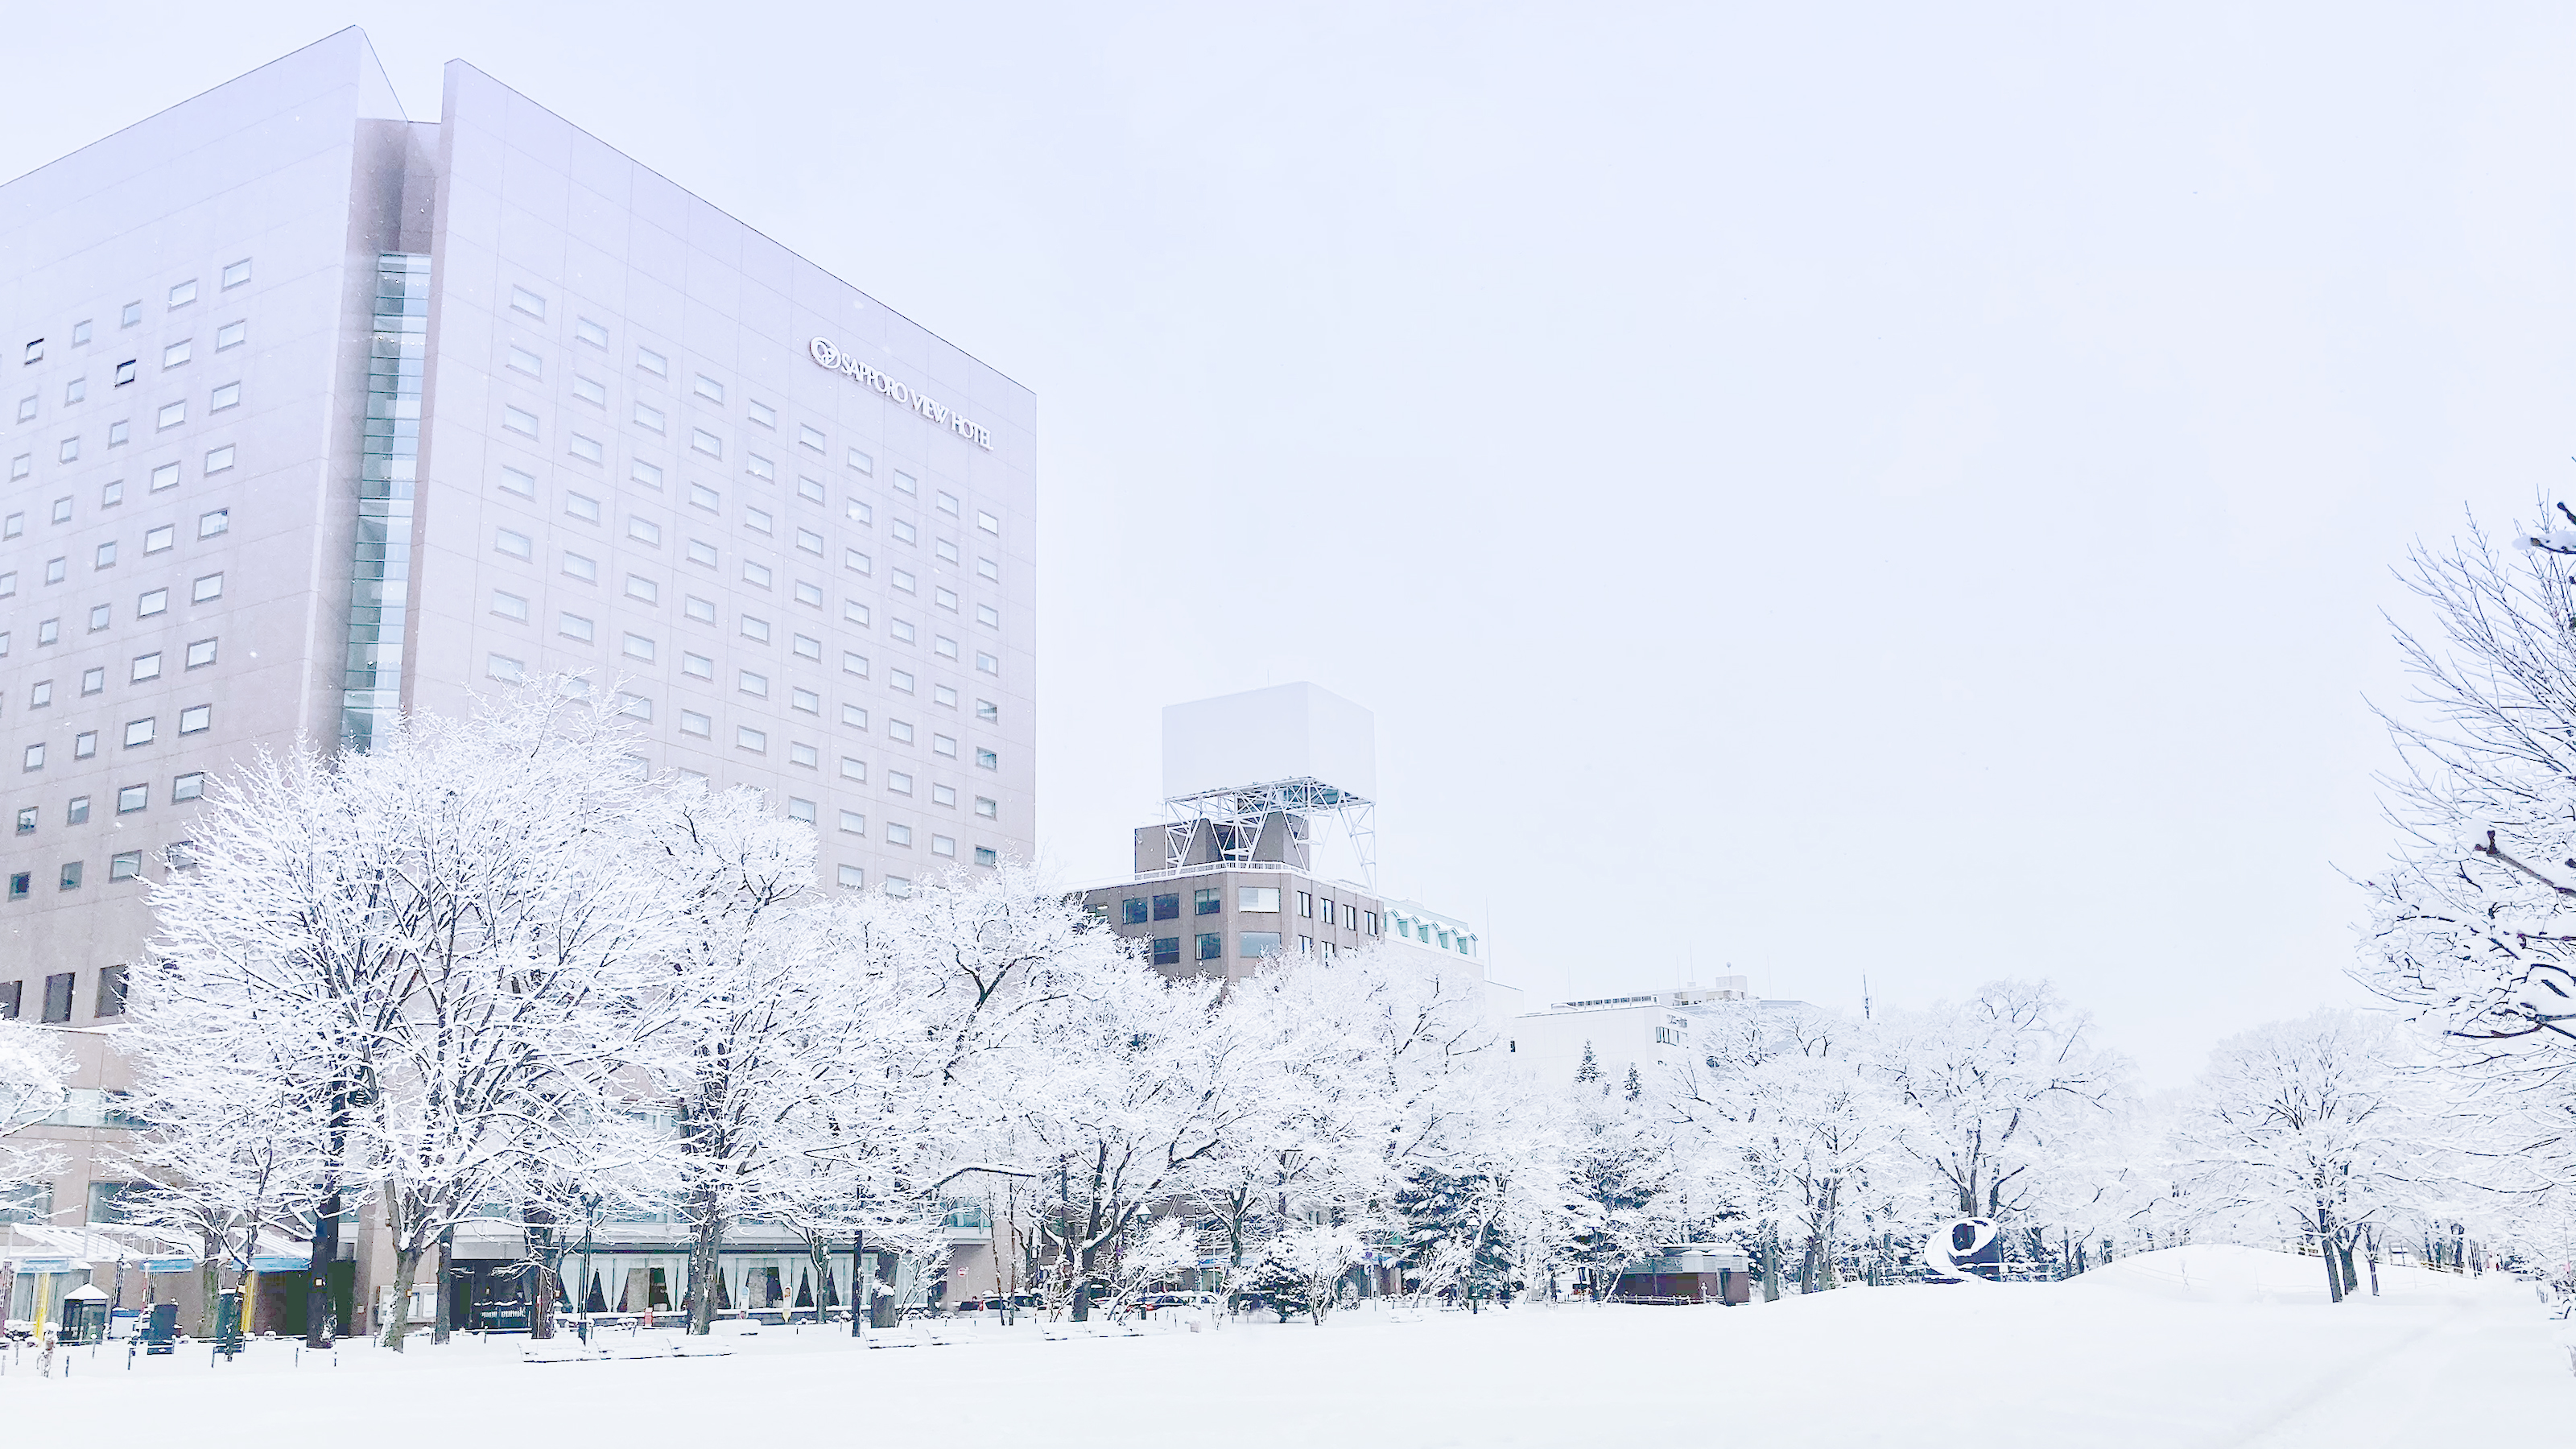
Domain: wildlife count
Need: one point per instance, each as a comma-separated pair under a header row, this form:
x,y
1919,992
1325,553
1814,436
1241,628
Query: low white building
x,y
1634,1029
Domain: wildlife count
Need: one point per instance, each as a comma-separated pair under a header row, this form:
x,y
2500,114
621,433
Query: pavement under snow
x,y
2189,1347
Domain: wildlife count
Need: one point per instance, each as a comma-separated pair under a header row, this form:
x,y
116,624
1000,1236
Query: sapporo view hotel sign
x,y
830,355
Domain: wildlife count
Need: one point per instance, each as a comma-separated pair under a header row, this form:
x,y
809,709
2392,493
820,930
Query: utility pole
x,y
859,1294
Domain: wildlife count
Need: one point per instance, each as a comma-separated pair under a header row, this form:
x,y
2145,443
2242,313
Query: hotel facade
x,y
312,414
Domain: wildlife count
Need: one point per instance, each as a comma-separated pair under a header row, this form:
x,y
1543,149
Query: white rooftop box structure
x,y
1285,732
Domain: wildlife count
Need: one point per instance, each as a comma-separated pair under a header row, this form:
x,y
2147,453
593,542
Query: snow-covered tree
x,y
35,1078
448,936
2473,921
1986,1088
2325,1122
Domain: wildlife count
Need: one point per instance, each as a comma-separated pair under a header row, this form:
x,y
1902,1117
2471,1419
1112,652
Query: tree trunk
x,y
210,1281
1771,1263
398,1321
706,1244
439,1324
2372,1252
2326,1252
819,1257
541,1299
2343,1252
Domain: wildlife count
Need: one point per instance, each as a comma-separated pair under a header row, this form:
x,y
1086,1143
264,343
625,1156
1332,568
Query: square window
x,y
1211,946
898,835
639,647
945,549
941,694
590,390
165,475
853,769
805,700
988,616
904,532
948,503
986,663
645,473
987,807
236,273
1167,949
986,568
809,490
93,680
147,666
187,787
133,798
854,823
903,580
218,459
85,745
706,442
702,552
519,420
1131,911
900,731
802,755
104,556
503,667
702,496
125,865
513,543
214,521
98,617
810,595
172,414
697,666
640,587
582,506
71,879
644,531
944,745
520,359
747,738
756,574
1167,907
26,819
944,646
519,481
899,782
808,436
509,606
1257,898
862,463
184,293
178,352
755,628
140,731
40,694
802,810
854,716
201,652
635,706
580,566
702,610
900,679
987,760
694,723
652,362
69,450
33,759
573,626
761,412
707,387
854,612
808,647
587,448
523,300
758,466
756,519
944,845
752,684
852,878
988,523
808,541
943,795
648,416
151,602
231,334
905,482
857,562
585,330
1253,944
852,663
228,395
1207,901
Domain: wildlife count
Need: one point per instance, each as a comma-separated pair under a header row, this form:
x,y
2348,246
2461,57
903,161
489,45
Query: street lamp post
x,y
589,1231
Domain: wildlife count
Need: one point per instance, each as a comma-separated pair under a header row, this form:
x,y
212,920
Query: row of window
x,y
57,1000
157,539
129,800
650,363
149,604
647,531
757,628
125,865
1209,900
112,493
221,398
195,719
1249,946
181,294
142,669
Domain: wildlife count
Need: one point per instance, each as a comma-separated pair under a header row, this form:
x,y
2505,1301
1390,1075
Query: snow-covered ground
x,y
2195,1346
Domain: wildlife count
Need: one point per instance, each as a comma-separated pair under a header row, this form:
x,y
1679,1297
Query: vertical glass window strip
x,y
380,573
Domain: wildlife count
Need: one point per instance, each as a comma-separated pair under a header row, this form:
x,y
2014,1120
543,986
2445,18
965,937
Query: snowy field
x,y
2195,1346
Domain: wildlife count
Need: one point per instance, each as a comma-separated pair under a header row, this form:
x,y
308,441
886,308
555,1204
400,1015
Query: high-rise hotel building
x,y
314,414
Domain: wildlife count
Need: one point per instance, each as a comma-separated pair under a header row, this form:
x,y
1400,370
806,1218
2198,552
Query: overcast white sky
x,y
1822,490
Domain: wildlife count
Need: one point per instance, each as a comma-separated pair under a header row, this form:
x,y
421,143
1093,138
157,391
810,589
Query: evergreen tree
x,y
1453,1232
